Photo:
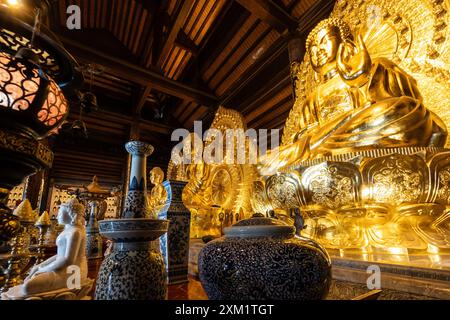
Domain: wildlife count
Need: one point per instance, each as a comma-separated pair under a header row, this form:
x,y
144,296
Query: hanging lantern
x,y
30,101
36,75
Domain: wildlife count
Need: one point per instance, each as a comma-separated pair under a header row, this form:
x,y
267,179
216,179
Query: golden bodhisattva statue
x,y
158,194
359,104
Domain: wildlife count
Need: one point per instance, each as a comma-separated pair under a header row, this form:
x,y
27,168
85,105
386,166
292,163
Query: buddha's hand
x,y
354,62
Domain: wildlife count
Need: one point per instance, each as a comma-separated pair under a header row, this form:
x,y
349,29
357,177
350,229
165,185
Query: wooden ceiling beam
x,y
90,171
77,179
277,49
280,81
174,30
79,159
99,158
142,98
139,75
68,164
147,4
220,33
271,13
106,117
183,41
74,169
154,31
321,9
307,21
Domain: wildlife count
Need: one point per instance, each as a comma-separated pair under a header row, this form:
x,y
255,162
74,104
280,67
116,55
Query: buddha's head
x,y
156,176
323,44
71,213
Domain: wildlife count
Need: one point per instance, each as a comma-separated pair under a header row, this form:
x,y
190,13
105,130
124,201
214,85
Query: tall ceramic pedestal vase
x,y
133,271
175,244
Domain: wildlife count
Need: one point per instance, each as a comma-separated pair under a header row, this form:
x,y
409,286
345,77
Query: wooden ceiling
x,y
159,65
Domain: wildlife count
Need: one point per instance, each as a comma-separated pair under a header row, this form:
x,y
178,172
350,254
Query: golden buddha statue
x,y
158,195
364,154
359,104
212,187
94,187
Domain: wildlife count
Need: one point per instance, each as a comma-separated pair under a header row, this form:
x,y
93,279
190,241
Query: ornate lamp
x,y
43,224
35,75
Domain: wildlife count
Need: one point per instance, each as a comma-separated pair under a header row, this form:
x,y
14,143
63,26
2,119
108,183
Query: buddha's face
x,y
323,50
63,216
156,177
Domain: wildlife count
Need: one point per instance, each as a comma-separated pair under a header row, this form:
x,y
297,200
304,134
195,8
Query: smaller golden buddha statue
x,y
359,104
94,187
158,195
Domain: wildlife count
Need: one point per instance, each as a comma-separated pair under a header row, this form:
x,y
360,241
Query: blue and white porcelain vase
x,y
262,259
175,244
133,270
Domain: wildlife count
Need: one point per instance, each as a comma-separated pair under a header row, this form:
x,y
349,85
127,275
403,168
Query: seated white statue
x,y
53,274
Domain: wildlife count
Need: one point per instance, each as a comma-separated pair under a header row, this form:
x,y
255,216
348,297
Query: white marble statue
x,y
56,274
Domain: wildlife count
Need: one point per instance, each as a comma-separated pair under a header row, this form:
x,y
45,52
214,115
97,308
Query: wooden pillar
x,y
45,192
47,198
34,188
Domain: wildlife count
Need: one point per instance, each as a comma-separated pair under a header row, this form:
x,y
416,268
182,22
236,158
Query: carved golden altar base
x,y
392,200
418,278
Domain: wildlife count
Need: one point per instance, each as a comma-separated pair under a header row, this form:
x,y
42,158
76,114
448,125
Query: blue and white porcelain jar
x,y
262,258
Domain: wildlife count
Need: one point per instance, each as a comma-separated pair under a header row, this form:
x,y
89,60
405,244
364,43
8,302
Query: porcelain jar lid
x,y
259,226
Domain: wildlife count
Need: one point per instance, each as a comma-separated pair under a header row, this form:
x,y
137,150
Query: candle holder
x,y
19,255
43,225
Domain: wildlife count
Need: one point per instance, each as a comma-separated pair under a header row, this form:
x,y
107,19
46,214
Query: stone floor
x,y
344,290
192,290
339,290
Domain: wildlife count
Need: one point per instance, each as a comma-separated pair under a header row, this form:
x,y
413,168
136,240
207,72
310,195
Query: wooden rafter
x,y
176,27
154,31
271,13
321,9
103,118
183,41
148,5
139,75
141,100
